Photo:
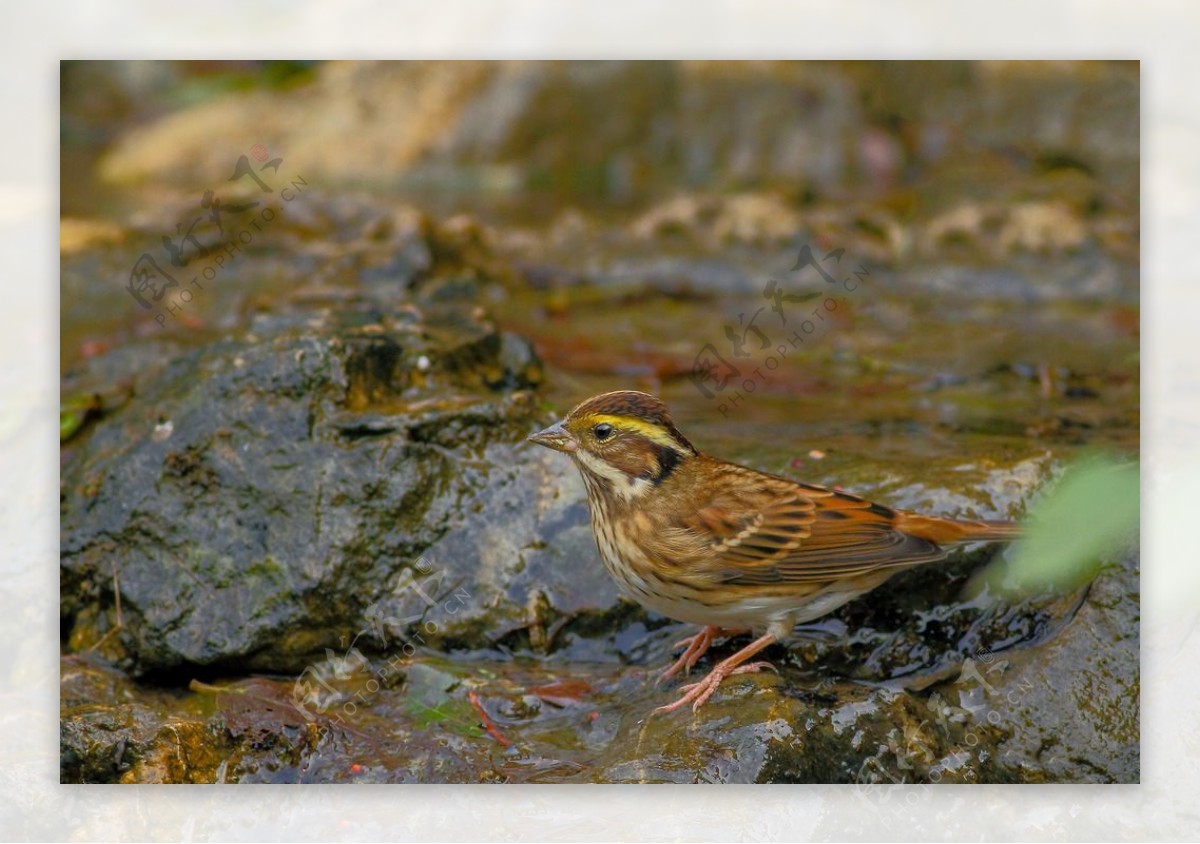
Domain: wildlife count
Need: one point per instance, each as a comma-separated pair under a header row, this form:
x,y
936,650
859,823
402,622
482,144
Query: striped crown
x,y
629,409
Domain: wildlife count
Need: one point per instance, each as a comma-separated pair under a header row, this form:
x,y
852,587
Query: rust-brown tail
x,y
950,531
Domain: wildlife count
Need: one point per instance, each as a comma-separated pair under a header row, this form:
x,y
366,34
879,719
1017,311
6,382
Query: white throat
x,y
626,486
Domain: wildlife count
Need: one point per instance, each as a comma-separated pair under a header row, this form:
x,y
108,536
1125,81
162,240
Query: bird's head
x,y
625,439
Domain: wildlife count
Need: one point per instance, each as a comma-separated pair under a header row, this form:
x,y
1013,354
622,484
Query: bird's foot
x,y
697,693
694,648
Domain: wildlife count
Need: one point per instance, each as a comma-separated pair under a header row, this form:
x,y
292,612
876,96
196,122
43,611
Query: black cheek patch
x,y
668,460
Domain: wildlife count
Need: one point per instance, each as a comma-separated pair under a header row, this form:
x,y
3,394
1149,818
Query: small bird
x,y
708,542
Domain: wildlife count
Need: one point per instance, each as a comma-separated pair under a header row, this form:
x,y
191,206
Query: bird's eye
x,y
603,431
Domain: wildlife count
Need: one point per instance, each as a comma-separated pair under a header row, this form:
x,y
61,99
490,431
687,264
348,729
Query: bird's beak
x,y
556,437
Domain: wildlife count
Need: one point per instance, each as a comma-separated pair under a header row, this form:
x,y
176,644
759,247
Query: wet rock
x,y
1042,227
741,218
315,248
101,722
259,493
111,731
1072,705
1000,230
959,691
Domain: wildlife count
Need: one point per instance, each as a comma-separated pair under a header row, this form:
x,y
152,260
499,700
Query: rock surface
x,y
991,716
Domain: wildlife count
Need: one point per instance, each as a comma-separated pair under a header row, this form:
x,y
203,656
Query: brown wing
x,y
760,529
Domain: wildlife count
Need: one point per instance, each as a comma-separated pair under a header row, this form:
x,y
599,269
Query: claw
x,y
696,646
697,693
751,668
689,641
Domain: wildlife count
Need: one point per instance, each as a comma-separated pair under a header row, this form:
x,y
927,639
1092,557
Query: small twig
x,y
197,686
120,625
556,628
487,722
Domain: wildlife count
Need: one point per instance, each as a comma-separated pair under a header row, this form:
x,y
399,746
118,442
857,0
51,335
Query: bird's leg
x,y
695,647
697,693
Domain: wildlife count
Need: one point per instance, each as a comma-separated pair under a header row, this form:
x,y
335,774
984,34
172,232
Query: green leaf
x,y
431,704
1082,523
72,413
69,423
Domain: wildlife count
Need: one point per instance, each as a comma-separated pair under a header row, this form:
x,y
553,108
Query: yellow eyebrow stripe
x,y
649,430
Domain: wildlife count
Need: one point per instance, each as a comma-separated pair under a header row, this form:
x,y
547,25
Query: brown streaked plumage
x,y
709,542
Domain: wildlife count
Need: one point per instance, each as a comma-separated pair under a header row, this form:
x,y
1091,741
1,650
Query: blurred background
x,y
695,184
